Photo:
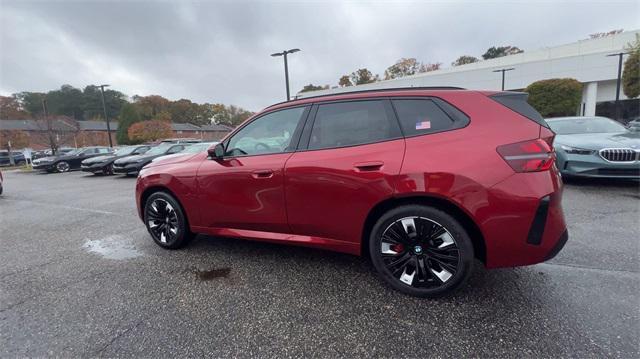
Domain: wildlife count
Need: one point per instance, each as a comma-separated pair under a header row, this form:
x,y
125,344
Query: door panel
x,y
243,193
330,192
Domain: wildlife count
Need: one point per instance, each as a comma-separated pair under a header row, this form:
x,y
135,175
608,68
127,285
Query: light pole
x,y
620,55
286,68
104,108
503,71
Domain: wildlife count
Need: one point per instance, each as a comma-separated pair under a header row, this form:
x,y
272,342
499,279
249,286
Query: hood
x,y
98,159
46,159
598,141
174,158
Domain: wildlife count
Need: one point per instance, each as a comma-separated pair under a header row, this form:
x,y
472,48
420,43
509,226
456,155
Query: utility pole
x,y
617,105
104,108
52,142
286,67
503,71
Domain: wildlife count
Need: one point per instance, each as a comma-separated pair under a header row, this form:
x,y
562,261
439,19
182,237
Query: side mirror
x,y
216,152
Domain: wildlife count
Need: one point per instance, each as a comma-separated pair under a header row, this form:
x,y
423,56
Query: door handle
x,y
368,166
262,174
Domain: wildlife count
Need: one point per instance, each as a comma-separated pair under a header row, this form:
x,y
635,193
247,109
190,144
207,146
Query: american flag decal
x,y
424,125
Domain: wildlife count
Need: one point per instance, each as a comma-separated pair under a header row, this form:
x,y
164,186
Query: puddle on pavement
x,y
206,275
112,247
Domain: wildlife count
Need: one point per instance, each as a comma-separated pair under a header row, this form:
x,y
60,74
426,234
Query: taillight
x,y
529,156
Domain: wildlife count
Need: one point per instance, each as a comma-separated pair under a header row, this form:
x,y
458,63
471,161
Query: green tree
x,y
403,67
555,97
345,81
363,76
465,59
31,101
631,73
92,102
67,101
128,116
311,87
500,51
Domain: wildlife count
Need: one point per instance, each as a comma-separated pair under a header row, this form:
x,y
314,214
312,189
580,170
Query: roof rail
x,y
374,90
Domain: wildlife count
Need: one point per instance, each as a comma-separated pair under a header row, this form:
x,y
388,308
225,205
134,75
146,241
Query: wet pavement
x,y
81,277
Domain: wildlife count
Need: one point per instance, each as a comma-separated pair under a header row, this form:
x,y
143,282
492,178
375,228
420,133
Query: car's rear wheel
x,y
108,169
63,166
166,221
421,251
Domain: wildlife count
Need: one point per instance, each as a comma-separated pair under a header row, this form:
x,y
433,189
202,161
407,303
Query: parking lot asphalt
x,y
79,276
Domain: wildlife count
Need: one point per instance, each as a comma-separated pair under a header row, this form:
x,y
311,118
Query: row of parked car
x,y
127,160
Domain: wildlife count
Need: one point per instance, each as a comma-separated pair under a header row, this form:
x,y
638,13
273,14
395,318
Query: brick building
x,y
70,133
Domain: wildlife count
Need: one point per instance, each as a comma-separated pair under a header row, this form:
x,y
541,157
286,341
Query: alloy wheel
x,y
419,252
62,166
162,221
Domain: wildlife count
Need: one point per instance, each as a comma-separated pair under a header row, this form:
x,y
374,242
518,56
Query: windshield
x,y
125,151
70,153
198,147
159,149
573,126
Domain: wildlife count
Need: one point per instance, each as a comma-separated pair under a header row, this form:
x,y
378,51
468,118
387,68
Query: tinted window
x,y
352,123
518,102
103,150
418,117
175,149
271,133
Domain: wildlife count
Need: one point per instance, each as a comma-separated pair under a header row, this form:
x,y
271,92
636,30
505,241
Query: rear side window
x,y
353,123
422,116
517,101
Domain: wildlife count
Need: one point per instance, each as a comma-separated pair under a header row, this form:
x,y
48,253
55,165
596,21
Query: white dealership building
x,y
585,61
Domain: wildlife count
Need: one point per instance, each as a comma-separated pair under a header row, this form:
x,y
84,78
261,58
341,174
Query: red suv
x,y
421,180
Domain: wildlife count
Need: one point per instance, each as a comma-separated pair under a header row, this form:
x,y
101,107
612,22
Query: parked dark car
x,y
131,165
1,179
18,158
595,147
181,140
69,161
104,164
421,181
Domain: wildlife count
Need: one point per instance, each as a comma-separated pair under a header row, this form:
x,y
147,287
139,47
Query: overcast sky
x,y
210,51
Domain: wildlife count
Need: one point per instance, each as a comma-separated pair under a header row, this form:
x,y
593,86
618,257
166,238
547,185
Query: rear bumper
x,y
524,223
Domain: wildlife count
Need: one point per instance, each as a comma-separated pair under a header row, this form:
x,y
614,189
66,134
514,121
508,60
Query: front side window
x,y
421,116
271,133
352,123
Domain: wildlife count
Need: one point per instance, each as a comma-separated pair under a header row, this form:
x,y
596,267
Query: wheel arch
x,y
477,238
158,188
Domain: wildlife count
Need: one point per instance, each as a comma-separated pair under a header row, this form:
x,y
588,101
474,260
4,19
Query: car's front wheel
x,y
421,251
63,166
108,169
166,221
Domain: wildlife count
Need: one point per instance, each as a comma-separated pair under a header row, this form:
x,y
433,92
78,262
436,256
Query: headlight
x,y
576,150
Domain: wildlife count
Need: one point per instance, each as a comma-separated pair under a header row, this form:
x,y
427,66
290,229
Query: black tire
x,y
166,219
427,252
63,166
108,170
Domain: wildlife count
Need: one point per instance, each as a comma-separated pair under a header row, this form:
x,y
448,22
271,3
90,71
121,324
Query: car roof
x,y
404,91
574,118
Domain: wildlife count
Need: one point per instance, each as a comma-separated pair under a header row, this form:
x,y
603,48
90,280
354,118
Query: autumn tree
x,y
631,74
465,59
10,109
128,116
500,51
229,115
555,97
345,81
147,131
150,106
402,67
363,76
311,87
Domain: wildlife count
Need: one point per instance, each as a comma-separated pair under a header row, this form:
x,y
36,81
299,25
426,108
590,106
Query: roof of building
x,y
91,125
216,127
35,125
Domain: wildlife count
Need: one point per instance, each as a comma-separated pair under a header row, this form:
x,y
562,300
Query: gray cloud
x,y
219,51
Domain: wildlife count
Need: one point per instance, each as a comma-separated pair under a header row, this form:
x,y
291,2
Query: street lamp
x,y
286,68
104,108
503,71
620,55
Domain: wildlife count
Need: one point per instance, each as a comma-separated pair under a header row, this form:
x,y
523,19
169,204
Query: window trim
x,y
391,115
295,137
